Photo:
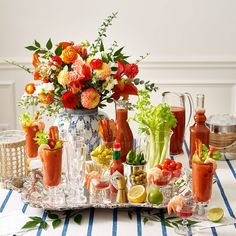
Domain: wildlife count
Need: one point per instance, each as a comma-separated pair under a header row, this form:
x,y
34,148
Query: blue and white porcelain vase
x,y
86,120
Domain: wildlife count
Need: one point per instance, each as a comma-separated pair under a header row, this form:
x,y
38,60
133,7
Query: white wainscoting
x,y
7,104
213,77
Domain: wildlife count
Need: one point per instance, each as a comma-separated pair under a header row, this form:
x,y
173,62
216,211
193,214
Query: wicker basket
x,y
12,155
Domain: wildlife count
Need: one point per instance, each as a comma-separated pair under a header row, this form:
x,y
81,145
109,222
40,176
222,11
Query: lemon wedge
x,y
137,194
215,214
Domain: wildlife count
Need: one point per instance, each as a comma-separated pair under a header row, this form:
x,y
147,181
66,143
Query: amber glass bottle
x,y
199,130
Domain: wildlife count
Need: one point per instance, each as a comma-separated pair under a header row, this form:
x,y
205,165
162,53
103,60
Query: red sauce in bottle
x,y
124,134
116,167
177,138
198,131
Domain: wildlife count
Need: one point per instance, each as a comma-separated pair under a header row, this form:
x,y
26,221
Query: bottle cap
x,y
116,145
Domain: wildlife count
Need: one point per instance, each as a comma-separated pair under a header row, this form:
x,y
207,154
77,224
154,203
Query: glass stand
x,y
55,197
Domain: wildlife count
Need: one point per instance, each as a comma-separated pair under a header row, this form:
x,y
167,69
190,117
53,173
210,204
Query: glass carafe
x,y
177,101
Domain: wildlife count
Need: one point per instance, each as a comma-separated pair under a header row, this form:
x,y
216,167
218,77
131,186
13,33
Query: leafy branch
x,y
56,220
102,33
153,215
141,58
25,68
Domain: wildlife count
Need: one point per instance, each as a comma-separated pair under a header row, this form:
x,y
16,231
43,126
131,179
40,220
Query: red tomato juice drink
x,y
202,175
177,138
31,144
52,160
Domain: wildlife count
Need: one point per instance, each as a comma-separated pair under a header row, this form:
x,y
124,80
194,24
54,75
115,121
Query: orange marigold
x,y
69,55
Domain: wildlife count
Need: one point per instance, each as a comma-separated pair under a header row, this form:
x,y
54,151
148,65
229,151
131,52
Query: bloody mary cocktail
x,y
31,144
202,175
52,160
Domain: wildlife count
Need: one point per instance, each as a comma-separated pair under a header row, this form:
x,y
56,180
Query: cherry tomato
x,y
178,165
165,172
212,149
167,161
165,166
173,165
176,173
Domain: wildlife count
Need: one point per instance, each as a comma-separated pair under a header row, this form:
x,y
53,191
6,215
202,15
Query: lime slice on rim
x,y
215,214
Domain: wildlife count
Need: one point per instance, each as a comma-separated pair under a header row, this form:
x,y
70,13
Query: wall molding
x,y
152,63
11,86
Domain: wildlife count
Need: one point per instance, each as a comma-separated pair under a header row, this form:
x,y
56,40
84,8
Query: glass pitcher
x,y
177,101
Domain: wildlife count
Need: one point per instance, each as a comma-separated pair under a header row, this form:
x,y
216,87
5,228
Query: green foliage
x,y
35,222
56,223
78,219
23,67
98,43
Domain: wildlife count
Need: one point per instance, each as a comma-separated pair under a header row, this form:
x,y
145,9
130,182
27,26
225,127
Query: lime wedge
x,y
215,214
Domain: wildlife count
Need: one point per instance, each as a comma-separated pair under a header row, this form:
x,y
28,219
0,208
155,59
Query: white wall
x,y
192,43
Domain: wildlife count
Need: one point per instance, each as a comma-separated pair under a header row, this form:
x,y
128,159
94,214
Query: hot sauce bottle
x,y
116,168
199,130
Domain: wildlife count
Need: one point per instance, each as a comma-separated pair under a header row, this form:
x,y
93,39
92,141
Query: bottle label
x,y
113,179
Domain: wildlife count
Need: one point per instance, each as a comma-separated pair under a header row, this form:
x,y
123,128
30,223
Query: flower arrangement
x,y
80,76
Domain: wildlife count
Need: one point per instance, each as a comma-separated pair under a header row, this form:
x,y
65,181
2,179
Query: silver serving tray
x,y
36,198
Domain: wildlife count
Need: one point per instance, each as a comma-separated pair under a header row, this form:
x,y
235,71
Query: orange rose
x,y
45,98
30,88
69,55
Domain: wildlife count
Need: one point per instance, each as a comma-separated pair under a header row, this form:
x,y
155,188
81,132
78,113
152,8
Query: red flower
x,y
120,70
57,61
82,51
131,70
69,100
64,44
96,64
86,72
76,86
124,89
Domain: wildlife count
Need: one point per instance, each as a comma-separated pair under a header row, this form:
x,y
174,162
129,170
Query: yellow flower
x,y
63,77
103,72
69,55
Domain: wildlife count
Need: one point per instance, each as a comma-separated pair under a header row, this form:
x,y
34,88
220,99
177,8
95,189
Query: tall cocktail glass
x,y
52,164
202,177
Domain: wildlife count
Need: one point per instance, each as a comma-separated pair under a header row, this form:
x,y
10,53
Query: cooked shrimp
x,y
92,175
153,174
174,203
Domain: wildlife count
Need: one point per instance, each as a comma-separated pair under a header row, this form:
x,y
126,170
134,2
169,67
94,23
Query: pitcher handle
x,y
191,108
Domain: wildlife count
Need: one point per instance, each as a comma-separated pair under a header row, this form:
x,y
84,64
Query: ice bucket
x,y
223,134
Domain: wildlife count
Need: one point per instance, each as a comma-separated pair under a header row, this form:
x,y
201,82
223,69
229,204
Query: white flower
x,y
109,83
45,88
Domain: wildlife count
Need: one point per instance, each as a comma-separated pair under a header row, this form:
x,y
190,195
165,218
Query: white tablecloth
x,y
104,222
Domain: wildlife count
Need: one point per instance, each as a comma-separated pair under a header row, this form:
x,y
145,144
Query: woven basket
x,y
12,155
223,142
